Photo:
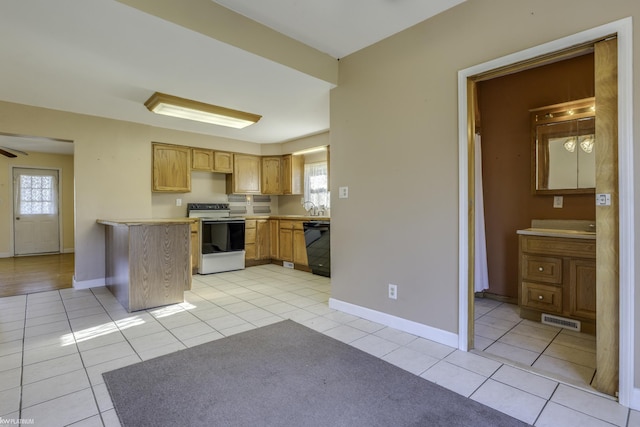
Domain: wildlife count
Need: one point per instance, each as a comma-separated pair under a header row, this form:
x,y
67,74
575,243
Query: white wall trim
x,y
408,326
628,395
86,284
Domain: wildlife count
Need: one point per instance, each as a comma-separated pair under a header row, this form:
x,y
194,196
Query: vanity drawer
x,y
542,269
547,298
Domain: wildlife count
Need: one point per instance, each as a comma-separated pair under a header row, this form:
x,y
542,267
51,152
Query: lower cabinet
x,y
558,276
299,245
250,239
195,246
257,240
292,244
274,241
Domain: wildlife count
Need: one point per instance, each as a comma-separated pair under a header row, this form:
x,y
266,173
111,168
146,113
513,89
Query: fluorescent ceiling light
x,y
174,106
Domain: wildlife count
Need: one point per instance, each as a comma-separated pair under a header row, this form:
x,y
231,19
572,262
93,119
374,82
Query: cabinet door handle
x,y
540,297
540,268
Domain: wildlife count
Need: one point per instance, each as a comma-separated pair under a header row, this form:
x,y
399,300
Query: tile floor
x,y
55,345
561,353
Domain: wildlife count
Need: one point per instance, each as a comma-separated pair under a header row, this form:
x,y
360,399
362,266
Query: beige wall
x,y
64,164
394,143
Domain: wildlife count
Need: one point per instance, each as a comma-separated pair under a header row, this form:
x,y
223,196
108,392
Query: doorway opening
x,y
38,251
36,220
525,60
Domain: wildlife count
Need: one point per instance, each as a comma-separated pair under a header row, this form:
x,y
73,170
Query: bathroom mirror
x,y
563,141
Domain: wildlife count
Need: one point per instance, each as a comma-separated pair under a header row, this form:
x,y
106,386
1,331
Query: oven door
x,y
220,236
222,245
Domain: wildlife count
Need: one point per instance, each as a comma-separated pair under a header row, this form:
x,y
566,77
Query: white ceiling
x,y
104,58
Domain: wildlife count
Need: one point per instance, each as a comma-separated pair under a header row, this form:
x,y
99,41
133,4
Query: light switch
x,y
603,199
343,192
178,202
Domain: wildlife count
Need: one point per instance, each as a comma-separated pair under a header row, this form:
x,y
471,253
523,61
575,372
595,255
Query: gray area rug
x,y
285,374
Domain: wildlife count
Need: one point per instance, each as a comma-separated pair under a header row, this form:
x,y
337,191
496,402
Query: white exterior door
x,y
36,223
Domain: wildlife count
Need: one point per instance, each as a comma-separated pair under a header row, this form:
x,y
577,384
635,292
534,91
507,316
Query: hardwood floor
x,y
23,275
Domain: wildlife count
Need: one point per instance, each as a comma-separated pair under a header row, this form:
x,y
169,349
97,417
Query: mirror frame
x,y
557,113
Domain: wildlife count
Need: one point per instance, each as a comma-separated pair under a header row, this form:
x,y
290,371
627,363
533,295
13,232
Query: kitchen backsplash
x,y
241,204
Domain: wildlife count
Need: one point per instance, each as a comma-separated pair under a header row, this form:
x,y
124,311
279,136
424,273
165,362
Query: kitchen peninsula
x,y
147,262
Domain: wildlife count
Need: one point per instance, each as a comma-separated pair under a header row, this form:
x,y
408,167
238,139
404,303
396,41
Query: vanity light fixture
x,y
587,144
570,145
174,106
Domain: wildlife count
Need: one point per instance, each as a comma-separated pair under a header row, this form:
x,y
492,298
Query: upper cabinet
x,y
171,168
271,175
222,162
292,174
201,159
245,178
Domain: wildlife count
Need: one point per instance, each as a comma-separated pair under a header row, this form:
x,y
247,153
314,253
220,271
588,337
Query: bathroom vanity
x,y
557,276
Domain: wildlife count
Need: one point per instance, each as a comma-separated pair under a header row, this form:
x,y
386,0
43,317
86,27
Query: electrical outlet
x,y
558,201
343,192
393,291
178,202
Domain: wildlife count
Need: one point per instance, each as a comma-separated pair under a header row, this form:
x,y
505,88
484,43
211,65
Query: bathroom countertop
x,y
554,232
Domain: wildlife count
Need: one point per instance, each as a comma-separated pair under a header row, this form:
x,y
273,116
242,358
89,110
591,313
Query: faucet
x,y
313,208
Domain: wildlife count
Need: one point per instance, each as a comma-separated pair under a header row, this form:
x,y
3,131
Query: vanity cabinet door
x,y
582,288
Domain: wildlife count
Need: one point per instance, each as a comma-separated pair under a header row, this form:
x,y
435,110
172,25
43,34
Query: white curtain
x,y
481,274
316,184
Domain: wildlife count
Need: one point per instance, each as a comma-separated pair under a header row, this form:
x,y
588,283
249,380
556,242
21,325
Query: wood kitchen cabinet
x,y
201,159
292,245
245,178
171,168
250,239
558,276
222,162
274,241
271,175
299,245
195,246
257,240
292,174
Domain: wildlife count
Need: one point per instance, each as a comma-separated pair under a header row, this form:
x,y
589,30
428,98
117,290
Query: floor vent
x,y
563,322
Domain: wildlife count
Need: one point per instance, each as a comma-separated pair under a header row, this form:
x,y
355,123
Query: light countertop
x,y
554,232
155,221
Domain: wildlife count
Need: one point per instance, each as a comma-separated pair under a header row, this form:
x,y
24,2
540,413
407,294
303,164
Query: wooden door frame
x,y
628,396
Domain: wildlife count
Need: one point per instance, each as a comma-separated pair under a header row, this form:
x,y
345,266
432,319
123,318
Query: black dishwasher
x,y
317,238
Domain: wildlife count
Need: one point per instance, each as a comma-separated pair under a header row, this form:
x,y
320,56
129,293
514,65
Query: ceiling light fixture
x,y
174,106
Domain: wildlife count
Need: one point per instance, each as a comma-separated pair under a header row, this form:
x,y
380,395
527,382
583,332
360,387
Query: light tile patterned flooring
x,y
561,353
55,345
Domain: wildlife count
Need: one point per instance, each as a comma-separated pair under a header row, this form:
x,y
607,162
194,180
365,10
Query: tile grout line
x,y
75,342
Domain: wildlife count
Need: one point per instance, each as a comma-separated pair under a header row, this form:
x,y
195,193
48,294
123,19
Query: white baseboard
x,y
409,326
86,284
5,255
